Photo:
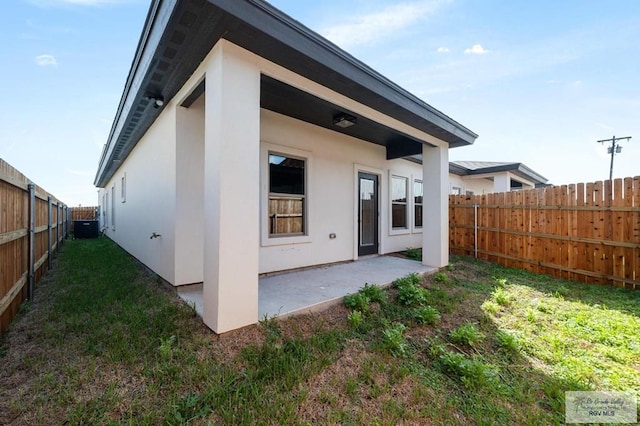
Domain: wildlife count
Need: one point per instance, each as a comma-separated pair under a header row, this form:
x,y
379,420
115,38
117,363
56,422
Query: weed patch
x,y
414,253
426,315
467,334
410,293
393,339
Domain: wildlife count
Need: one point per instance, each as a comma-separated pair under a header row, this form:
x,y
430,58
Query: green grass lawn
x,y
106,343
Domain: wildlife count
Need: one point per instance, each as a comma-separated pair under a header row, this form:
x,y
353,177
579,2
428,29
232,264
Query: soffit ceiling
x,y
180,33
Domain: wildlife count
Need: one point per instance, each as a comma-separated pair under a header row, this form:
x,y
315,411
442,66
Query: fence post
x,y
475,230
32,238
64,222
57,226
49,231
69,220
58,223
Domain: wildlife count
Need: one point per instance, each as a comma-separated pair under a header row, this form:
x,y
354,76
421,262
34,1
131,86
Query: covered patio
x,y
313,289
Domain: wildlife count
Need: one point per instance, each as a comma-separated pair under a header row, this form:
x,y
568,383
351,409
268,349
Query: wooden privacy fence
x,y
84,213
587,232
33,224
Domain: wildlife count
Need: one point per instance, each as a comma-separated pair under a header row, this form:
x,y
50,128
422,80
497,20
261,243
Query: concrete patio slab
x,y
314,289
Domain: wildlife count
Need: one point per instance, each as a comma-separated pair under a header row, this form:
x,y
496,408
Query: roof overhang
x,y
178,34
517,169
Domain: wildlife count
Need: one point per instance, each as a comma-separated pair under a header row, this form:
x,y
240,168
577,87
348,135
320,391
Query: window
x,y
469,192
105,209
287,195
399,202
113,207
456,190
417,203
515,185
123,188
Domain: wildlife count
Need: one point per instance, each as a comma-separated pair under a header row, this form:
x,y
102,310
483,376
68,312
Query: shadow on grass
x,y
573,336
520,389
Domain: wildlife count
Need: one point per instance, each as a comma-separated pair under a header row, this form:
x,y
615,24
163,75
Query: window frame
x,y
105,209
267,239
113,207
288,196
123,188
407,228
416,228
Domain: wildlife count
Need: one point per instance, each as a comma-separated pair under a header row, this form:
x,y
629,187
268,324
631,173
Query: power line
x,y
613,149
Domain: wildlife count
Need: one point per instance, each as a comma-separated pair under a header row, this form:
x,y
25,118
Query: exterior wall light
x,y
344,120
157,101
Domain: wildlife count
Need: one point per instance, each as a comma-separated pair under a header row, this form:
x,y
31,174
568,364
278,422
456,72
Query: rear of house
x,y
245,144
485,177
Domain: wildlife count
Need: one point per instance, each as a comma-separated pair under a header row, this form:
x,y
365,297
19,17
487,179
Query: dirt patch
x,y
361,386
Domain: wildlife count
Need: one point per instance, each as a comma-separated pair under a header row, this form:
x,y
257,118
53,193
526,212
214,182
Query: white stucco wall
x,y
149,207
333,162
477,186
189,203
487,183
231,190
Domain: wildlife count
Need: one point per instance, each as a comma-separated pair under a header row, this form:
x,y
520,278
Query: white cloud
x,y
443,50
46,61
366,29
476,49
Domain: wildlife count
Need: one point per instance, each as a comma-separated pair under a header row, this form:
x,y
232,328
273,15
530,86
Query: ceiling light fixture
x,y
344,120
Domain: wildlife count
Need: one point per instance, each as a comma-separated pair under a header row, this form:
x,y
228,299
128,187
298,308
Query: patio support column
x,y
502,183
231,189
435,227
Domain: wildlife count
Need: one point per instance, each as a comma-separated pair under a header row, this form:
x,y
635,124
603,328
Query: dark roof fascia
x,y
299,37
263,18
518,168
527,172
457,169
160,12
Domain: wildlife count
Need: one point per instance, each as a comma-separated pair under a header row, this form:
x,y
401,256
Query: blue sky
x,y
540,81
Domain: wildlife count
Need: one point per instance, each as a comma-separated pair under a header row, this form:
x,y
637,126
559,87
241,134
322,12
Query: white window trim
x,y
113,207
265,239
416,229
123,188
409,216
456,187
105,209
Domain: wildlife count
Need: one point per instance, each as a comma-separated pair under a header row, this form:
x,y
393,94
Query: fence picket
x,y
24,237
588,232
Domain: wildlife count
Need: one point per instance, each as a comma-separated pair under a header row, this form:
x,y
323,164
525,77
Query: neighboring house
x,y
484,177
245,143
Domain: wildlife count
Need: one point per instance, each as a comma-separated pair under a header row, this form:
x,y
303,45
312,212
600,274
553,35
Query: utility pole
x,y
614,149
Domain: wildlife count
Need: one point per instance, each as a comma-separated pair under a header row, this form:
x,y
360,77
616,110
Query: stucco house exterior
x,y
244,143
484,177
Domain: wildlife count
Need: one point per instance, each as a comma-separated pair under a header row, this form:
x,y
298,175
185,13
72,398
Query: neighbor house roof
x,y
178,34
470,168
